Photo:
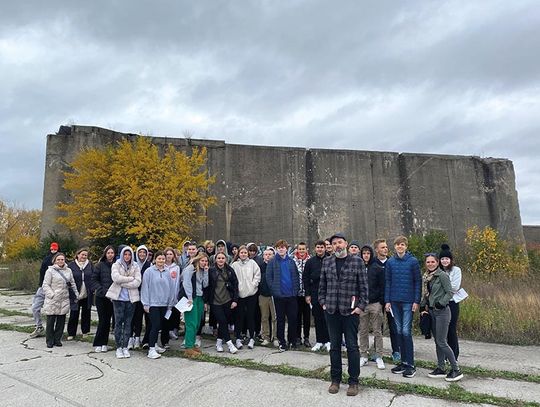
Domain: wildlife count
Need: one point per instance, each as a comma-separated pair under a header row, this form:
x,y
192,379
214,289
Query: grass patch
x,y
12,313
20,275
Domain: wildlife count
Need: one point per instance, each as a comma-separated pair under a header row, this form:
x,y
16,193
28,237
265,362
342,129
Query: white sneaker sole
x,y
455,379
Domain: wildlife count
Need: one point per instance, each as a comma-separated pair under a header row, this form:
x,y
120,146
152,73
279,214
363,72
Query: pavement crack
x,y
392,400
99,369
106,363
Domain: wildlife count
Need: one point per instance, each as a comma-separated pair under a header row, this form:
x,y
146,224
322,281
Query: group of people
x,y
253,293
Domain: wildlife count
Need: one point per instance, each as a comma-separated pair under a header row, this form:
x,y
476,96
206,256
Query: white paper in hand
x,y
183,305
168,314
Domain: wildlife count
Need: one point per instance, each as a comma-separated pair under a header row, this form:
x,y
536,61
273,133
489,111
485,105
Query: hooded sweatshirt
x,y
375,278
143,265
249,276
213,257
126,279
158,289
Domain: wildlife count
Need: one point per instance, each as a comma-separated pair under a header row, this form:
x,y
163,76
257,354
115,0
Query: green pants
x,y
193,320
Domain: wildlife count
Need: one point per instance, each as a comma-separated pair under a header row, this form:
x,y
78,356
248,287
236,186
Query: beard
x,y
340,253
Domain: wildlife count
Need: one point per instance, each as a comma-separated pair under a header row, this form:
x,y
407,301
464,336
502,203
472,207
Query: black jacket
x,y
232,285
376,281
264,289
47,261
312,275
101,278
78,277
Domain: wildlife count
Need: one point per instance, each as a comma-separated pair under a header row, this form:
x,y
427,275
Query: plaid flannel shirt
x,y
336,293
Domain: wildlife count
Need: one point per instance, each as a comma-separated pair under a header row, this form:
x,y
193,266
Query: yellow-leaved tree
x,y
19,230
131,194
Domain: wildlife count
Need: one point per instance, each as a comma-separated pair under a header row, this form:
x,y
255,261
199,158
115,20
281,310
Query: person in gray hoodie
x,y
158,296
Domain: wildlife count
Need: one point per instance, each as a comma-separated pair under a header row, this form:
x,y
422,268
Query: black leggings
x,y
223,315
452,338
105,315
157,317
246,311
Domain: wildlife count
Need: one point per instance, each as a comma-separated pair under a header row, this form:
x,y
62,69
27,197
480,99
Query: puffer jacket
x,y
78,274
249,277
56,291
124,276
403,280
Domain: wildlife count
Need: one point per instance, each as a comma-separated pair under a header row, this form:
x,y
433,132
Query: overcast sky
x,y
452,77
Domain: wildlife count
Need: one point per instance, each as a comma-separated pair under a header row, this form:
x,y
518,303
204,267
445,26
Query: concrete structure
x,y
266,193
532,235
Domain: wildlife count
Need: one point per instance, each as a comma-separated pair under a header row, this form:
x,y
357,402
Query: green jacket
x,y
441,290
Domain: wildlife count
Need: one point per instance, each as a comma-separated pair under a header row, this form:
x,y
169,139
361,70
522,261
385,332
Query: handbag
x,y
73,301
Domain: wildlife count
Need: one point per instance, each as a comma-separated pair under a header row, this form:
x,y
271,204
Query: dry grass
x,y
501,310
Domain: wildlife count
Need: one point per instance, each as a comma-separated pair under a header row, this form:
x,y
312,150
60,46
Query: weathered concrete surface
x,y
266,193
532,235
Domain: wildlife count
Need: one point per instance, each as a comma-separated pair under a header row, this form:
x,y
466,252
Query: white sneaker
x,y
380,363
276,343
98,349
327,346
251,343
219,345
317,347
363,361
152,353
137,343
265,342
126,353
198,341
119,353
131,341
159,349
104,348
172,335
239,344
232,348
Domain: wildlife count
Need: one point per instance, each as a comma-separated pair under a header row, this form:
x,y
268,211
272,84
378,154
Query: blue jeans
x,y
338,326
403,317
123,314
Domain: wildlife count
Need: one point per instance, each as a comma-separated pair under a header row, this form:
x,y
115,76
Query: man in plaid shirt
x,y
343,293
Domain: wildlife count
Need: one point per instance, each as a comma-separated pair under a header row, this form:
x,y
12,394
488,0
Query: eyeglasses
x,y
432,254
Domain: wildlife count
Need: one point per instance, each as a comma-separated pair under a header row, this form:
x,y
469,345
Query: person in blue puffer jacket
x,y
403,289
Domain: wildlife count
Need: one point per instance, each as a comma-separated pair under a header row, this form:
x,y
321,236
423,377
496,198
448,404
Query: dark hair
x,y
103,257
320,243
301,244
450,265
158,253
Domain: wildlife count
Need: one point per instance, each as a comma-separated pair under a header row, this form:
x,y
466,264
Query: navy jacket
x,y
78,277
101,278
403,280
273,276
312,275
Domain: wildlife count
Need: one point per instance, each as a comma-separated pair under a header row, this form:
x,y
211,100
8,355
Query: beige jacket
x,y
56,292
129,278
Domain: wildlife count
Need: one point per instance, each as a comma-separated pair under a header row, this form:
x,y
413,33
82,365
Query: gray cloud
x,y
452,77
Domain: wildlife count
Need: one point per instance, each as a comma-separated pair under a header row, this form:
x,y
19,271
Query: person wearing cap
x,y
39,296
343,295
354,248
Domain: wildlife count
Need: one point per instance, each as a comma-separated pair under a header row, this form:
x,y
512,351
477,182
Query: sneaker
x,y
219,345
167,346
198,341
327,346
69,338
317,347
409,372
98,349
307,343
334,388
399,369
152,354
131,342
84,336
363,361
36,333
172,335
232,348
145,346
265,342
276,343
352,390
396,358
251,343
126,353
159,349
239,344
380,363
58,343
282,348
437,373
104,348
454,376
137,343
119,353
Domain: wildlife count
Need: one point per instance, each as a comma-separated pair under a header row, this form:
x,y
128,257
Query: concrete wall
x,y
532,235
266,193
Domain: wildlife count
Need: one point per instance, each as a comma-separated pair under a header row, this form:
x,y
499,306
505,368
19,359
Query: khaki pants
x,y
372,317
266,305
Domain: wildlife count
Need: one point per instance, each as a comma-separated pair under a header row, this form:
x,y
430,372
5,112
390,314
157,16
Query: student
x,y
372,317
248,274
403,288
194,280
266,302
283,279
311,278
124,293
303,317
329,248
172,325
39,297
354,248
57,283
221,247
142,260
223,299
454,272
436,294
101,281
158,296
209,248
82,270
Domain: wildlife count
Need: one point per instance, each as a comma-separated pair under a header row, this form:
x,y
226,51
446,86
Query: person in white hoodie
x,y
124,293
158,296
248,274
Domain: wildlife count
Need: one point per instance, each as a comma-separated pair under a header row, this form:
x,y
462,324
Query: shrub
x,y
430,242
20,275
